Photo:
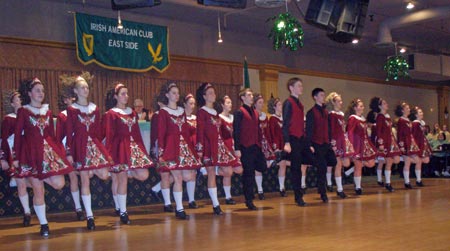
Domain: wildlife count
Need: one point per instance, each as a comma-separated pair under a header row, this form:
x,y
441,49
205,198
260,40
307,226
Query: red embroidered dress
x,y
385,137
61,120
358,136
418,132
192,123
276,134
35,146
7,139
406,141
266,142
124,141
176,149
83,138
210,141
339,137
227,134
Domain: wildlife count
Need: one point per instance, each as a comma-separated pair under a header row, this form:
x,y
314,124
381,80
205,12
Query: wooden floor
x,y
417,219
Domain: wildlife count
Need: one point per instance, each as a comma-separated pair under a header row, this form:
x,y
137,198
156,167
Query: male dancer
x,y
247,142
318,135
293,135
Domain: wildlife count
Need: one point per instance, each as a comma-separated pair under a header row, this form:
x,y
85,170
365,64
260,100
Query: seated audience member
x,y
143,113
439,155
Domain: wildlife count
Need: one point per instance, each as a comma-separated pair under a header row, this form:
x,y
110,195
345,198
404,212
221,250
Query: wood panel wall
x,y
21,59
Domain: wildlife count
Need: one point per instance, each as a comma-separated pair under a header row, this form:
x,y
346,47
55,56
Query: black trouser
x,y
323,156
252,159
300,154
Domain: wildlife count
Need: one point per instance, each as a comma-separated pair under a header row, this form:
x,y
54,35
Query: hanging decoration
x,y
286,31
395,67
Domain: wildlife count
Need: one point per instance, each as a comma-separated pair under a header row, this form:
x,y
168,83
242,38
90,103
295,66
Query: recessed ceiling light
x,y
355,41
402,50
410,6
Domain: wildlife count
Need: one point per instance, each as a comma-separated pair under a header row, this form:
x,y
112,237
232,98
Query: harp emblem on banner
x,y
88,43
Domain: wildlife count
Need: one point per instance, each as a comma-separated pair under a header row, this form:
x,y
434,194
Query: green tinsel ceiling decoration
x,y
286,32
395,67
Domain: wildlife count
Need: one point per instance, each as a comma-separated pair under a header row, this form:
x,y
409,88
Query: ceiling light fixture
x,y
402,50
119,21
355,41
410,6
219,40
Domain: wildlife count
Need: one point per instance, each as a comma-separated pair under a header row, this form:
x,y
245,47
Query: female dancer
x,y
86,153
388,149
162,189
37,155
340,142
210,145
124,144
266,142
365,151
176,151
12,103
191,119
65,99
275,108
418,131
408,146
227,133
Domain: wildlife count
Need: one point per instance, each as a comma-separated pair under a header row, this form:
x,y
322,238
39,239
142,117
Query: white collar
x,y
64,113
126,111
12,115
278,117
211,111
175,112
228,119
407,119
360,118
88,109
422,123
338,113
262,116
37,111
191,117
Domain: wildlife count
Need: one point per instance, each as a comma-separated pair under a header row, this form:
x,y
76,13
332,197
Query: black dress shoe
x,y
217,210
117,212
45,230
230,201
168,208
261,196
408,186
124,218
181,215
90,223
283,193
358,191
389,187
341,194
157,195
249,204
419,183
324,198
26,220
193,205
300,202
330,188
80,215
380,183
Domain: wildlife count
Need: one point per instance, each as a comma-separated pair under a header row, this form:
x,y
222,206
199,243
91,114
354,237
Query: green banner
x,y
136,47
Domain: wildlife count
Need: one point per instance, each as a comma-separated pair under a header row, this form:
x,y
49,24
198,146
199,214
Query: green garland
x,y
286,32
396,66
